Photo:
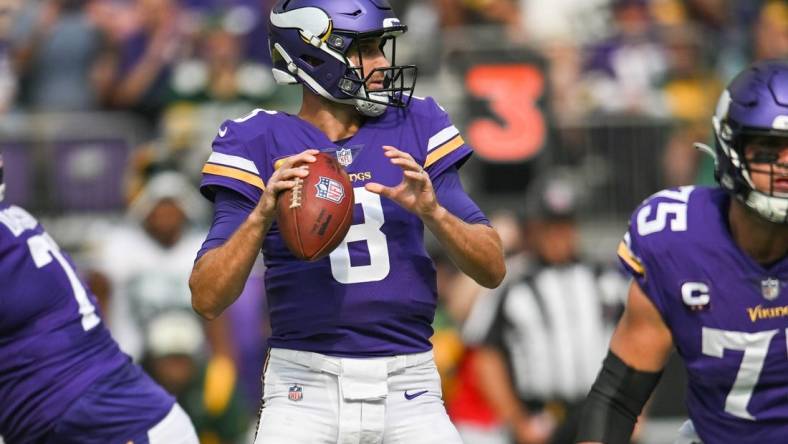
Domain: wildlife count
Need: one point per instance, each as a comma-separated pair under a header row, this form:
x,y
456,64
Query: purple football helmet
x,y
310,41
755,104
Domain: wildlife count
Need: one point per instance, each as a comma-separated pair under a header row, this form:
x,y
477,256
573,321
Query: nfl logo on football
x,y
296,393
344,157
330,189
770,288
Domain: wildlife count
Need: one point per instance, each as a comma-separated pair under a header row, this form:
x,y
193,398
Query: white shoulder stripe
x,y
233,161
252,114
442,137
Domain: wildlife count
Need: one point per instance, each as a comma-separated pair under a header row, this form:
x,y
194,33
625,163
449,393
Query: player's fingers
x,y
407,164
288,173
307,156
415,175
377,188
282,185
391,151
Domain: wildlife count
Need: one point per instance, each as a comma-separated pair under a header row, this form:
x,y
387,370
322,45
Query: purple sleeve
x,y
445,147
636,256
452,196
230,211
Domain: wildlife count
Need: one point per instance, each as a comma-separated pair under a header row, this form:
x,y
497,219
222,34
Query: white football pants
x,y
313,398
175,428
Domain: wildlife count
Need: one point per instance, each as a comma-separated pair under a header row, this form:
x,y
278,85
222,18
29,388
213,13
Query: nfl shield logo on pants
x,y
770,288
295,393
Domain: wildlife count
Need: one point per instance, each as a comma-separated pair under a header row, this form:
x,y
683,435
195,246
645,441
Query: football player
x,y
63,378
710,271
350,357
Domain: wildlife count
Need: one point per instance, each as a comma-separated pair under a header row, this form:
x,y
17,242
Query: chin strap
x,y
371,109
773,209
703,148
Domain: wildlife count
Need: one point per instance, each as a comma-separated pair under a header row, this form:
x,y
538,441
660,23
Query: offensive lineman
x,y
63,378
710,273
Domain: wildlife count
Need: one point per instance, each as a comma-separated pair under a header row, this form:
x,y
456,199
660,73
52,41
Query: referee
x,y
543,336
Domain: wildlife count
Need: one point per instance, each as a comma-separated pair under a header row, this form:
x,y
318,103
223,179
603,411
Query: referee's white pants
x,y
687,434
313,398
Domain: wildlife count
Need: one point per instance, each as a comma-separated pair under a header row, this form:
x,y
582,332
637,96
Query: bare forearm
x,y
130,90
495,385
474,248
220,275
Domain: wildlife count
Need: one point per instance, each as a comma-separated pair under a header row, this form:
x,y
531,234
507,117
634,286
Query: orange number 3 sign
x,y
513,92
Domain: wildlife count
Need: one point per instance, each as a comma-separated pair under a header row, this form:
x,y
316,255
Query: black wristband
x,y
615,401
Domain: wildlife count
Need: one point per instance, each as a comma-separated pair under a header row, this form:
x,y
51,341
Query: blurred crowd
x,y
182,66
178,68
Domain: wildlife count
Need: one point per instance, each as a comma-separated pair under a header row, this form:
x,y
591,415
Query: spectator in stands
x,y
208,391
219,72
143,59
55,47
7,78
541,337
757,30
455,13
145,263
623,73
547,22
216,79
771,31
250,327
691,90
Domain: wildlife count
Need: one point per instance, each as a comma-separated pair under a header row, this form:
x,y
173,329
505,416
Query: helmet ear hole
x,y
314,62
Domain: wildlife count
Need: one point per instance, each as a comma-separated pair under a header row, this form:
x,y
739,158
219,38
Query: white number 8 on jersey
x,y
378,268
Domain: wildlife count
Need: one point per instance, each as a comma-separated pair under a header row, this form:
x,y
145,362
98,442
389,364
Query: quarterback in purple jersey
x,y
710,269
350,357
63,378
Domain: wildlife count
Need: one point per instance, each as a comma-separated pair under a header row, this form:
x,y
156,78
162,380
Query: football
x,y
315,215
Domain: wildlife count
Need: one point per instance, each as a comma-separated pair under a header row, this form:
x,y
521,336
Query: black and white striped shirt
x,y
553,325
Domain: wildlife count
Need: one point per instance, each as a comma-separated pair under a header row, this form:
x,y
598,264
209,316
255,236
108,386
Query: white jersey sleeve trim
x,y
233,161
442,137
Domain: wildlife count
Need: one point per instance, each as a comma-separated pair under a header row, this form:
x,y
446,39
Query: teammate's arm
x,y
475,248
219,276
638,352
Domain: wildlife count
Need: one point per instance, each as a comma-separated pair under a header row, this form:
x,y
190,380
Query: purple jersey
x,y
53,343
727,313
375,294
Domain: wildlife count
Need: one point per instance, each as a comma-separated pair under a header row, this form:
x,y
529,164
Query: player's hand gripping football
x,y
415,192
284,179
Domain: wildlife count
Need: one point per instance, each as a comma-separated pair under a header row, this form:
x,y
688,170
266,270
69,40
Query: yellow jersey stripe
x,y
626,255
448,147
233,173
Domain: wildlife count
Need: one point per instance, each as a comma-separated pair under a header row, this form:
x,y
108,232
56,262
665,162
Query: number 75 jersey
x,y
375,294
727,313
52,342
